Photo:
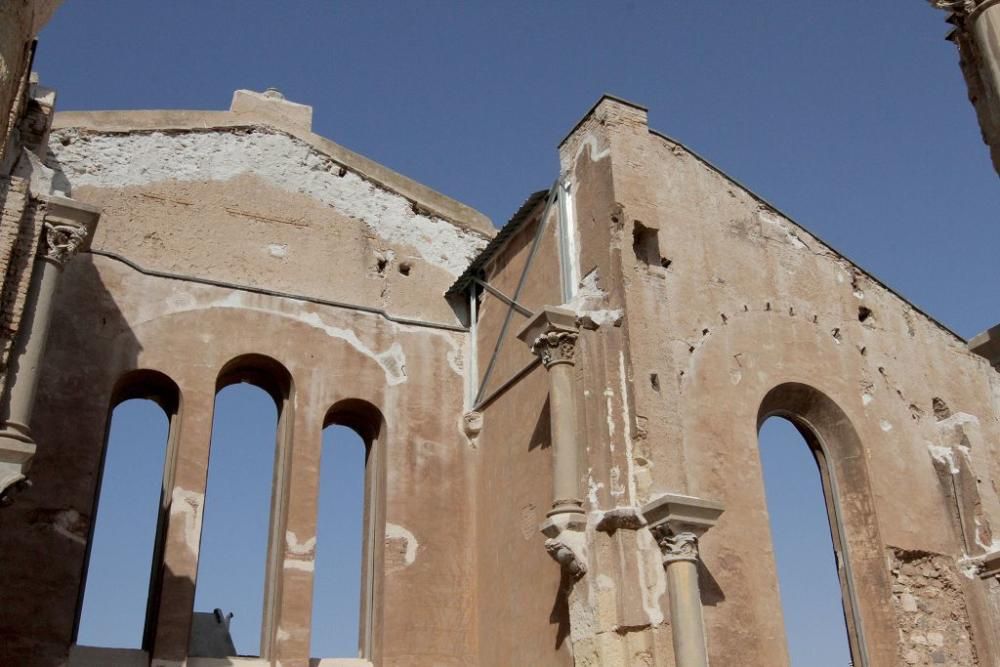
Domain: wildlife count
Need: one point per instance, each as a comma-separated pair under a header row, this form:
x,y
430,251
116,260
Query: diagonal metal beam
x,y
503,297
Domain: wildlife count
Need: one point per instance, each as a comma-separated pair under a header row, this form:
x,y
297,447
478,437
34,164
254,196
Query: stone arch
x,y
158,387
850,506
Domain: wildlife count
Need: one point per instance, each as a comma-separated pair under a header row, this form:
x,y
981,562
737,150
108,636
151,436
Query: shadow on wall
x,y
48,528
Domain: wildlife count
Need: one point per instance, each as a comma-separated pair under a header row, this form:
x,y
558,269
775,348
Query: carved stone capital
x,y
555,347
68,227
552,335
62,242
677,522
676,547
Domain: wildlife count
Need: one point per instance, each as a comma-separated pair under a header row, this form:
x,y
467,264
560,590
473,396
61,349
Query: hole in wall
x,y
864,313
381,264
654,381
404,268
646,245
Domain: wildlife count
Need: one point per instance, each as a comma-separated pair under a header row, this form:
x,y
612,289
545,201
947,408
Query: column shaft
x,y
686,623
565,455
29,348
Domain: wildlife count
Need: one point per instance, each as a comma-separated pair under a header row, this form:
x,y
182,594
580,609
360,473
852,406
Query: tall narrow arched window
x,y
348,532
806,546
243,501
340,528
125,546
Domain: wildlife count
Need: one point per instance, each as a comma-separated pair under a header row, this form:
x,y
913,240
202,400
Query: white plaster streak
x,y
595,152
121,160
185,510
608,396
278,250
396,532
627,430
866,398
299,564
885,425
593,486
651,591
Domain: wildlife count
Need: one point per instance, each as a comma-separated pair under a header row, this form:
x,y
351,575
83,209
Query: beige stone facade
x,y
561,416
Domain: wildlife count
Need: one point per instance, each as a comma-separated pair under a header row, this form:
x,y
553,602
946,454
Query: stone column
x,y
977,35
552,335
677,522
67,228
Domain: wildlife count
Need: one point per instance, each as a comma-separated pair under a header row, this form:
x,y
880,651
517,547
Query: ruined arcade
x,y
560,417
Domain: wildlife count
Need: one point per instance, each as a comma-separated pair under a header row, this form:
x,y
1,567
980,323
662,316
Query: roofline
x,y
777,210
520,218
132,122
604,96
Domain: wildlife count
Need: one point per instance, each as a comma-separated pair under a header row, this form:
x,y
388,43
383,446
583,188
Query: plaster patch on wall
x,y
278,250
142,158
71,525
789,236
185,510
608,395
299,555
596,153
392,361
653,590
589,303
396,533
593,486
885,425
944,456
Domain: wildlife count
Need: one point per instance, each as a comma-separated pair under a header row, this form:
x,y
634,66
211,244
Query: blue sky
x,y
852,119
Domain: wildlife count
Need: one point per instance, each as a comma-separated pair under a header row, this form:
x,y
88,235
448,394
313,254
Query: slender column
x,y
68,226
977,35
552,335
676,523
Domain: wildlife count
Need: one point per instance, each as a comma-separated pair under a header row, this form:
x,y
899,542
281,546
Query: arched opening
x,y
850,514
122,572
344,588
244,499
339,544
804,547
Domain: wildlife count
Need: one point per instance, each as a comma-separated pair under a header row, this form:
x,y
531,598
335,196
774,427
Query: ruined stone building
x,y
561,417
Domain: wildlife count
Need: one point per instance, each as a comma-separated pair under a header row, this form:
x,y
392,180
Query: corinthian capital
x,y
555,347
674,547
961,7
552,335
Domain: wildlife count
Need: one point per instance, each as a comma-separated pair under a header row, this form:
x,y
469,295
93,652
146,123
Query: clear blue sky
x,y
851,118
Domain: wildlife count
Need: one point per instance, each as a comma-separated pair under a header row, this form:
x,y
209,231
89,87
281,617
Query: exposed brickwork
x,y
20,226
933,621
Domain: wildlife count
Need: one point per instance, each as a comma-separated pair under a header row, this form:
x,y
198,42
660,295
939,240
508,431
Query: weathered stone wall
x,y
732,301
255,242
